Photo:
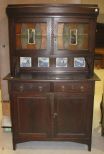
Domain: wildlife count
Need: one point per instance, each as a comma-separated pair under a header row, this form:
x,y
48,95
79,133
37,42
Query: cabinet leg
x,y
14,143
102,131
89,147
14,146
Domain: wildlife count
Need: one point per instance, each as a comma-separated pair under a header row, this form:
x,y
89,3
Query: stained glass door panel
x,y
31,36
72,36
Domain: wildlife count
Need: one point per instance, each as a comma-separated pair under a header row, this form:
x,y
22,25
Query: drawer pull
x,y
21,88
72,87
63,88
40,88
31,86
82,88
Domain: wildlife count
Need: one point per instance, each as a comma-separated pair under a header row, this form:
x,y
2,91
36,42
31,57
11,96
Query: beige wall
x,y
101,6
89,1
99,2
42,1
4,49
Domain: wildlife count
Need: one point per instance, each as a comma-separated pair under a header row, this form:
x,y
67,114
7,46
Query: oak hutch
x,y
51,80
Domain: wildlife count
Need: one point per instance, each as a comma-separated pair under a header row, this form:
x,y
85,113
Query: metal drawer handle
x,y
21,88
40,88
72,87
63,87
31,86
82,88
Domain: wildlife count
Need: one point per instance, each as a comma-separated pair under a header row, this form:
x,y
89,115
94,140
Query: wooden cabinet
x,y
51,81
52,110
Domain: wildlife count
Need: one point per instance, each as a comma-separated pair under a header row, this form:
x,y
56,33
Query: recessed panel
x,y
79,62
61,62
43,62
31,36
25,62
72,36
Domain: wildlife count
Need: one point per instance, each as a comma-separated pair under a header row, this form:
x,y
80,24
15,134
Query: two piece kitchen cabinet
x,y
51,81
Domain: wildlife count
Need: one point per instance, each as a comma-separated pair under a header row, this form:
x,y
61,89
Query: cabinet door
x,y
73,44
31,116
71,35
33,34
73,115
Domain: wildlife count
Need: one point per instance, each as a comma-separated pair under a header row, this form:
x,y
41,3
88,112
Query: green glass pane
x,y
66,36
38,36
24,35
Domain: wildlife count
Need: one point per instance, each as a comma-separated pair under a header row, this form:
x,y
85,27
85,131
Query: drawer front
x,y
71,87
27,87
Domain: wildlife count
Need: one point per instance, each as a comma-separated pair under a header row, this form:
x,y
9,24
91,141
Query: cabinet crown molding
x,y
53,9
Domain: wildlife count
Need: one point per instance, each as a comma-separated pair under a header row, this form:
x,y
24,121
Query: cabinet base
x,y
83,142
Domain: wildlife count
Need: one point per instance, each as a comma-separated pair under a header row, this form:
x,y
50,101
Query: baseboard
x,y
5,101
6,122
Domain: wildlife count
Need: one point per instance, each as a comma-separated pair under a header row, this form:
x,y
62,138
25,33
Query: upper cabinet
x,y
52,38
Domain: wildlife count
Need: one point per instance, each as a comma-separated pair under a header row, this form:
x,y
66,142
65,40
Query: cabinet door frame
x,y
15,54
15,111
86,109
69,20
87,54
35,20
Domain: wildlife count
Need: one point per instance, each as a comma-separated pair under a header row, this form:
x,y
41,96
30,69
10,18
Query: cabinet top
x,y
53,9
32,77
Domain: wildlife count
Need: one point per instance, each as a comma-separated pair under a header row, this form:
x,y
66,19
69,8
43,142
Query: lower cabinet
x,y
54,114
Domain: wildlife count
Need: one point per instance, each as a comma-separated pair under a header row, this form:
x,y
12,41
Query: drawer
x,y
35,87
71,87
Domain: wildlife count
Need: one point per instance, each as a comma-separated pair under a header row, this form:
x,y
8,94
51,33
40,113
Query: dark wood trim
x,y
53,9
